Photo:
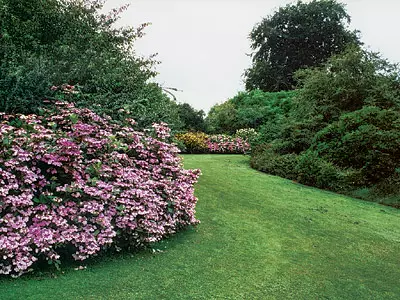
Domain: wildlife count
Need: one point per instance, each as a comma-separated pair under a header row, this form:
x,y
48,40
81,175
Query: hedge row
x,y
199,142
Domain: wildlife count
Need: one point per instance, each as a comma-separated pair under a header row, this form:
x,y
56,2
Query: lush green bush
x,y
344,123
222,118
55,42
347,82
268,161
296,136
306,168
366,139
253,109
314,171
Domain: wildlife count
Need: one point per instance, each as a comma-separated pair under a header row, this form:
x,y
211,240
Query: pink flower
x,y
76,179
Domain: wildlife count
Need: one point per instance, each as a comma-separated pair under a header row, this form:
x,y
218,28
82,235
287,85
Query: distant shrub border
x,y
70,179
199,142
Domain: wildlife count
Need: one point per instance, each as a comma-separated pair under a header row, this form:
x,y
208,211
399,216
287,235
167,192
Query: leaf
x,y
120,207
74,118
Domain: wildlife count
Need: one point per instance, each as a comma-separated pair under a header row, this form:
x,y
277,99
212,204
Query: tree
x,y
52,42
222,118
296,36
254,109
192,119
345,83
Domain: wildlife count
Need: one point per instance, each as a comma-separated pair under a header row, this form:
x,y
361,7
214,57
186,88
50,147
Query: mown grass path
x,y
261,237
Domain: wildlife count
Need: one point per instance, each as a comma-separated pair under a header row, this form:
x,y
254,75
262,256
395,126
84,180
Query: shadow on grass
x,y
43,270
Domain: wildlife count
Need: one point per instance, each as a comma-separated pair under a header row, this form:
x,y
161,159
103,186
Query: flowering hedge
x,y
199,142
70,179
192,142
227,144
248,134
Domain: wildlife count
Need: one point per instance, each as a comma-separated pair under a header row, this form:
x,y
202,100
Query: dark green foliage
x,y
192,119
307,168
296,36
367,139
314,171
344,123
270,162
387,191
53,42
346,83
222,118
296,136
24,86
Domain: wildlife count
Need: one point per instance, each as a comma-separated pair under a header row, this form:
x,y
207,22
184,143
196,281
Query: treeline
x,y
337,125
46,46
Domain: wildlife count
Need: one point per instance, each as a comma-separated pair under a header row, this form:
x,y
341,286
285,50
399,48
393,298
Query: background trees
x,y
254,109
192,119
339,128
296,36
52,42
342,130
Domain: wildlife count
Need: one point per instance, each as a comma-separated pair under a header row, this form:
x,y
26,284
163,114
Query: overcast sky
x,y
202,44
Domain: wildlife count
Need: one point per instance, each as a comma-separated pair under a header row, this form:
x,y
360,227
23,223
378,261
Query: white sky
x,y
202,44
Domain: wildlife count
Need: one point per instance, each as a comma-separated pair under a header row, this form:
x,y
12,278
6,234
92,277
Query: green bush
x,y
315,171
266,160
388,190
55,42
366,139
347,82
252,109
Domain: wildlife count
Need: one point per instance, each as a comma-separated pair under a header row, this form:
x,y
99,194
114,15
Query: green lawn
x,y
260,237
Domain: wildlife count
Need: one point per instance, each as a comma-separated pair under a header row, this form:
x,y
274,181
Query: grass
x,y
261,237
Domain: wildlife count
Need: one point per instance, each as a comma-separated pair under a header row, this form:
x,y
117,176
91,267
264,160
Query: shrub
x,y
194,142
251,109
272,163
45,43
227,144
388,190
249,135
367,139
199,142
71,179
315,171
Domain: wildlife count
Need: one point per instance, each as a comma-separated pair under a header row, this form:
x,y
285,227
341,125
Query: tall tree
x,y
192,119
296,36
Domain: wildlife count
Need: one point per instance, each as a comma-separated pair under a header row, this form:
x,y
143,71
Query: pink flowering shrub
x,y
199,142
72,179
227,144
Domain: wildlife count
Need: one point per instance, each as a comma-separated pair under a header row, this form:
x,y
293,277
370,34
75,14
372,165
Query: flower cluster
x,y
199,142
70,179
193,142
226,144
247,134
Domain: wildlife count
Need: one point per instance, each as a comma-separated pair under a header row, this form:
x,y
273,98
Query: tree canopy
x,y
192,119
296,36
55,42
